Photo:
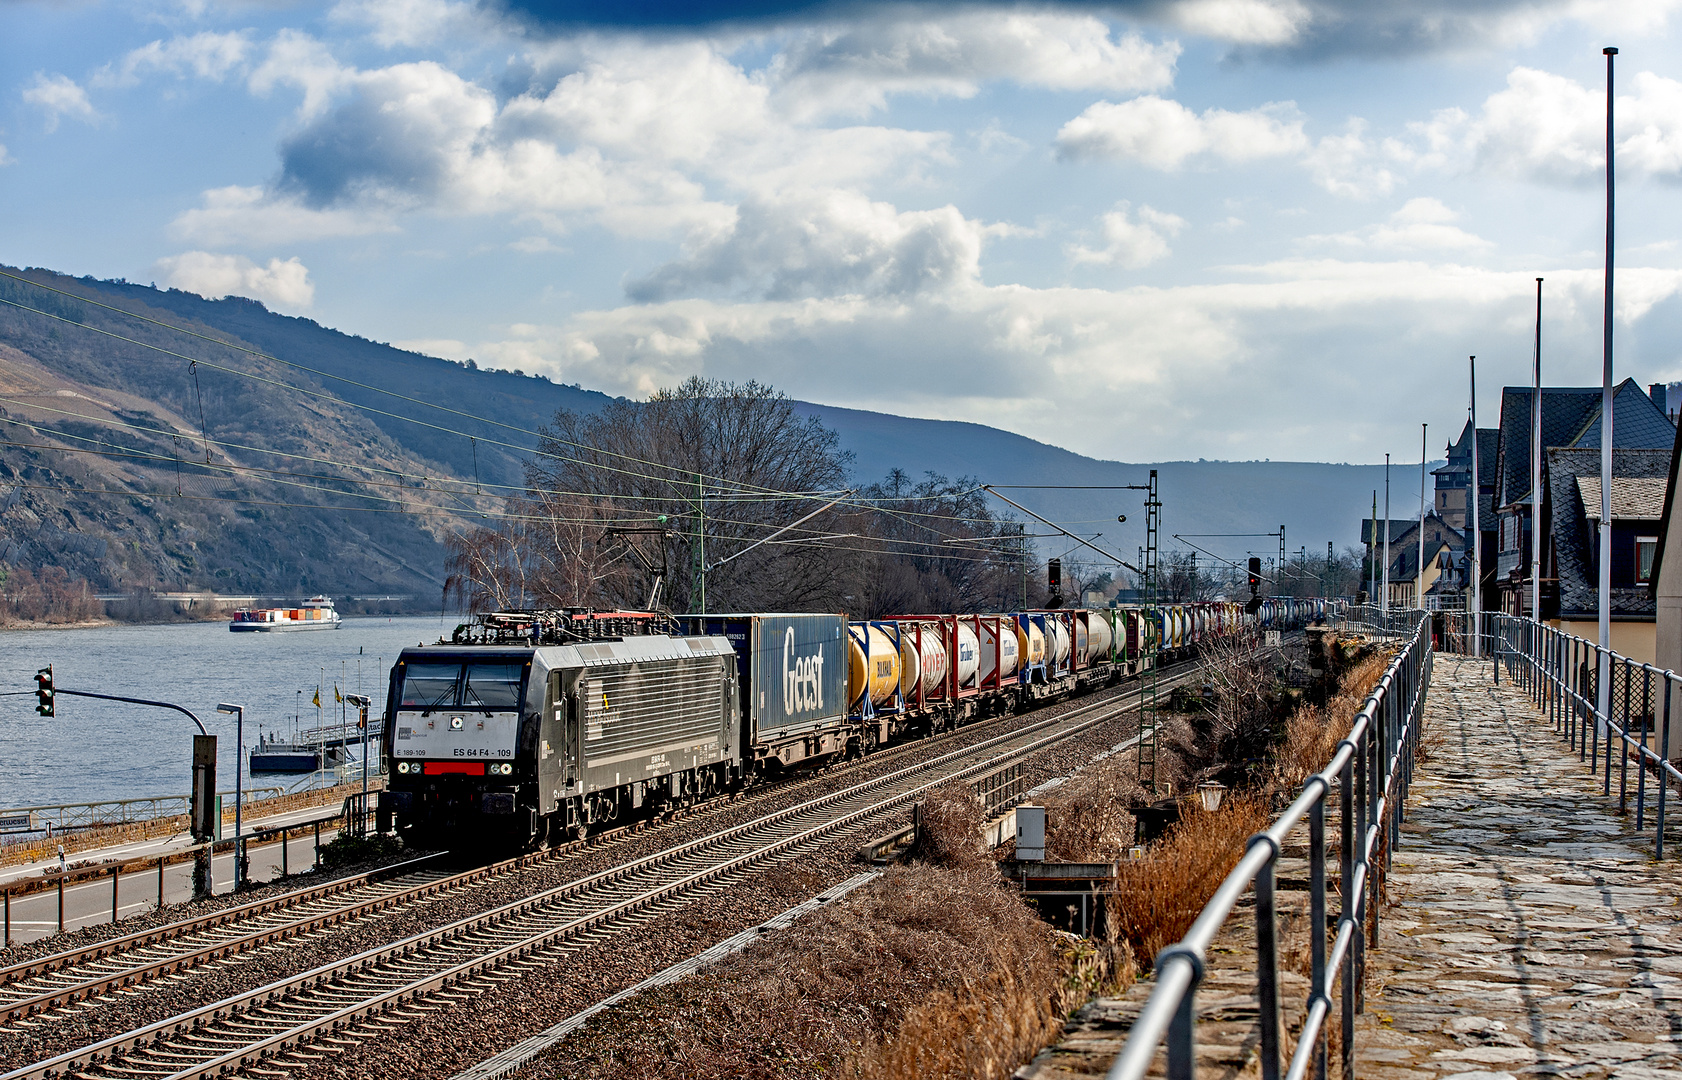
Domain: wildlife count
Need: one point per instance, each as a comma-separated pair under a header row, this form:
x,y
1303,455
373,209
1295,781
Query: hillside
x,y
342,474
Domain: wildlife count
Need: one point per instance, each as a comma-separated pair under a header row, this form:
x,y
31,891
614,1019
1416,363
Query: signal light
x,y
44,691
1255,574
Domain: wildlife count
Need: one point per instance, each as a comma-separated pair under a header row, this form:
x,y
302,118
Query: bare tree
x,y
721,466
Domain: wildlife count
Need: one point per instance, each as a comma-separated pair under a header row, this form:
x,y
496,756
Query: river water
x,y
94,750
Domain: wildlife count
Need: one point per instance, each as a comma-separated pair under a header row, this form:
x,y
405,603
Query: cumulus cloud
x,y
235,215
296,59
1354,166
632,138
59,96
1130,243
854,68
207,55
825,243
1108,372
1164,134
1552,129
1318,29
1247,22
282,284
393,23
1421,224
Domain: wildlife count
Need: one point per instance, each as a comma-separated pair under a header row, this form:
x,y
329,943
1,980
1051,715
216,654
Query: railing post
x,y
61,902
1641,753
160,882
1322,990
116,876
1346,805
1267,960
1369,825
1664,752
1182,1029
8,919
1623,746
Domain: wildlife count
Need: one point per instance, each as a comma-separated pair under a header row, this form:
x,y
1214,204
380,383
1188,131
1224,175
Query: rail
x,y
1561,673
1373,763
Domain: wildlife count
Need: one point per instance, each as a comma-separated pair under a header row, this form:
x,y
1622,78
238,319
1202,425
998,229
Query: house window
x,y
1645,548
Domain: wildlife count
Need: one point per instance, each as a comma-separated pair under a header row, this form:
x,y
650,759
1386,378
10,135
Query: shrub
x,y
347,850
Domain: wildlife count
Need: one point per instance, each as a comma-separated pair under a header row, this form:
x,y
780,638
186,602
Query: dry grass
x,y
1313,732
929,973
1158,897
950,833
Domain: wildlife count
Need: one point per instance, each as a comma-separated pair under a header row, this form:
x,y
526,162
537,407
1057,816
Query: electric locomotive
x,y
496,742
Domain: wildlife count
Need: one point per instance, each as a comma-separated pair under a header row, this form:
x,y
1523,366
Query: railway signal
x,y
44,691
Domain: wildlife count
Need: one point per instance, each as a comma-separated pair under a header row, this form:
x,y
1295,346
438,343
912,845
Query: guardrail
x,y
1371,771
1393,621
1561,673
65,817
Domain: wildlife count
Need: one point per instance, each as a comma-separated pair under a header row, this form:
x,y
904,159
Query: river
x,y
94,750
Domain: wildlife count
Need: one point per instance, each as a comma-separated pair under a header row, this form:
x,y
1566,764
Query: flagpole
x,y
1477,538
1536,470
1605,688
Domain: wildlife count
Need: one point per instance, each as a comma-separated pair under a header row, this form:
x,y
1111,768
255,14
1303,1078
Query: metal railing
x,y
67,817
1561,674
1370,772
1374,619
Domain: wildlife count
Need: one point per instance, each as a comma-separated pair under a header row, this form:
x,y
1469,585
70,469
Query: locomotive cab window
x,y
492,687
429,685
487,686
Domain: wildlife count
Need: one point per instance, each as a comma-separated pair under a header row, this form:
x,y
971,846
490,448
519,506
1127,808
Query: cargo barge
x,y
316,613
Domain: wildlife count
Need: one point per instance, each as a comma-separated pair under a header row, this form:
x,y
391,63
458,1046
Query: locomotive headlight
x,y
502,768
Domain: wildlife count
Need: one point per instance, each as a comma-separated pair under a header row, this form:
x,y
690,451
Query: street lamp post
x,y
238,712
362,702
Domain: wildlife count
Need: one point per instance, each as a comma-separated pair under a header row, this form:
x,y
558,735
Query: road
x,y
86,903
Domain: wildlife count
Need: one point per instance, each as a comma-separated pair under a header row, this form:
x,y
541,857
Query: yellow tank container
x,y
1030,643
876,669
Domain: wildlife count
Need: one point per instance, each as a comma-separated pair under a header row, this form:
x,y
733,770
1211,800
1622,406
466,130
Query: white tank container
x,y
1057,649
1099,636
969,655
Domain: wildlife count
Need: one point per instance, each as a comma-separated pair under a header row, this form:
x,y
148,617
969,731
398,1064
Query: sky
x,y
1164,230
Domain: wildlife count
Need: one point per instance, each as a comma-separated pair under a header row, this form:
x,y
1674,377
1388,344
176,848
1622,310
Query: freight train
x,y
535,727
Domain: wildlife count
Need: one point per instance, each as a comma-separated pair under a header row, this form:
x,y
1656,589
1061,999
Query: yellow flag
x,y
337,697
317,698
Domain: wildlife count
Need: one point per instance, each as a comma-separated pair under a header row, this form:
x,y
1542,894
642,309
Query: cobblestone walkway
x,y
1528,930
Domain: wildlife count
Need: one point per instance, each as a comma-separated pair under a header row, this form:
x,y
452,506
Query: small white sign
x,y
1270,637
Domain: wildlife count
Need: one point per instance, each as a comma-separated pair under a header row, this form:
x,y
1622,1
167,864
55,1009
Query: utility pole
x,y
1153,617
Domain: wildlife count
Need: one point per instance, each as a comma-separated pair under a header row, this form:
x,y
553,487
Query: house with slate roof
x,y
1453,483
1571,542
1570,421
1665,585
1444,548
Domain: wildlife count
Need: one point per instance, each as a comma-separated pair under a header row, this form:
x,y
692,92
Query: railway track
x,y
79,975
269,1030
